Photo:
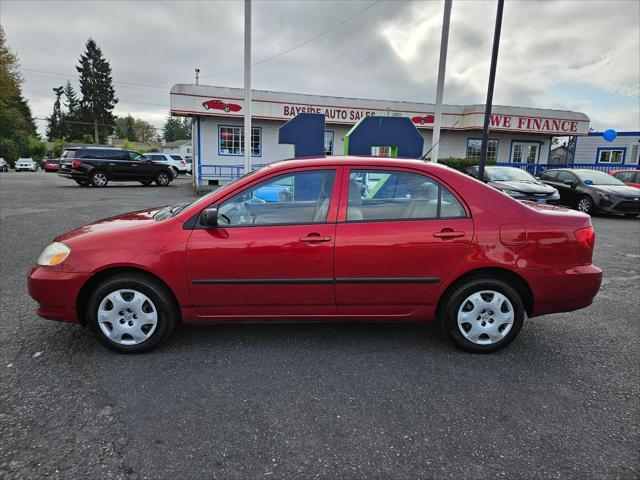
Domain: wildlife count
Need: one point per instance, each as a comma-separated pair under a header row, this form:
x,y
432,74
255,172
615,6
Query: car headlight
x,y
555,195
512,193
604,196
54,254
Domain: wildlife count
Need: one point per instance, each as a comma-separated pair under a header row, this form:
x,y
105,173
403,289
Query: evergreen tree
x,y
55,127
125,128
98,94
73,130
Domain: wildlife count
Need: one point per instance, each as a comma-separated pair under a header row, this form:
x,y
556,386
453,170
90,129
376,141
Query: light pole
x,y
492,78
444,43
247,86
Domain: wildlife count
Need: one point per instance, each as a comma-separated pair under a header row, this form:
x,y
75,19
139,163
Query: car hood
x,y
523,186
125,221
619,190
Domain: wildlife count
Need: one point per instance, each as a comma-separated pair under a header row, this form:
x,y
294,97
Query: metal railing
x,y
536,169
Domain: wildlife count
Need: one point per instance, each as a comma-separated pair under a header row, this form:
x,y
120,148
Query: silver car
x,y
176,162
26,165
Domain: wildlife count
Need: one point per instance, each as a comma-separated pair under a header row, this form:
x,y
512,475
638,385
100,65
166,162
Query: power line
x,y
67,77
273,57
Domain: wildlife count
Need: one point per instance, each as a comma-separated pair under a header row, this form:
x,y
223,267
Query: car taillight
x,y
587,237
75,163
182,162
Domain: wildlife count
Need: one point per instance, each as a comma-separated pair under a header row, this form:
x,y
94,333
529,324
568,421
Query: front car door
x,y
568,193
138,166
399,234
272,252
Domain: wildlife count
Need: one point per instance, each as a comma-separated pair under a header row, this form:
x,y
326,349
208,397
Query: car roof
x,y
357,160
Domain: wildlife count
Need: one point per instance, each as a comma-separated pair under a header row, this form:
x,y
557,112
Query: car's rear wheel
x,y
483,315
163,178
131,313
82,183
585,204
99,179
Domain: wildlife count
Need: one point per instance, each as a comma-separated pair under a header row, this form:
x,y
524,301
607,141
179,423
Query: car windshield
x,y
594,177
172,210
508,174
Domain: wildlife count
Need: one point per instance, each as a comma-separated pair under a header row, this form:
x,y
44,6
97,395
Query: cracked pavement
x,y
308,401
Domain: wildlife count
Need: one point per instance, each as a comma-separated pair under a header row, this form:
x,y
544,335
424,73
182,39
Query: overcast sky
x,y
581,56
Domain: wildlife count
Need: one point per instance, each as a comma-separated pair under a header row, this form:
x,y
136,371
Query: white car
x,y
4,166
176,161
26,164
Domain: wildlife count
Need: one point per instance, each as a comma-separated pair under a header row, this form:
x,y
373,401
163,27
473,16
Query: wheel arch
x,y
499,273
90,285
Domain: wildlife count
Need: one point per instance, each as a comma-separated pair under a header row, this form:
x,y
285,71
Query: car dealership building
x,y
517,134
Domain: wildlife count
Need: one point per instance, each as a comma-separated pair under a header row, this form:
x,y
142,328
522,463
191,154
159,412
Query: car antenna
x,y
424,157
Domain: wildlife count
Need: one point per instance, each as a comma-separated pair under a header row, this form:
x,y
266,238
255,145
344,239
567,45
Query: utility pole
x,y
492,79
197,75
444,43
247,86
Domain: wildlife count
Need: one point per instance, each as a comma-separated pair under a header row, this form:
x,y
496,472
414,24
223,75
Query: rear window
x,y
176,157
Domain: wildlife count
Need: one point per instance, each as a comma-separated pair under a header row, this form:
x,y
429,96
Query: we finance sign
x,y
535,124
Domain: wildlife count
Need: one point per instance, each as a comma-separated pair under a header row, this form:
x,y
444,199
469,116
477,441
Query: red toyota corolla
x,y
324,239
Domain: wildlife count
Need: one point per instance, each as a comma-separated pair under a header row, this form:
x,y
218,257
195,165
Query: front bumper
x,y
563,289
620,205
56,293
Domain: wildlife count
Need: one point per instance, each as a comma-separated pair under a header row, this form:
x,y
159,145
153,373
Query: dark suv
x,y
96,166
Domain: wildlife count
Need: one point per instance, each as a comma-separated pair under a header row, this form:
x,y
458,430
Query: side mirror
x,y
209,217
571,183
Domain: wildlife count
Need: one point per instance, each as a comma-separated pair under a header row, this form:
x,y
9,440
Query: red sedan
x,y
345,238
220,105
629,176
51,165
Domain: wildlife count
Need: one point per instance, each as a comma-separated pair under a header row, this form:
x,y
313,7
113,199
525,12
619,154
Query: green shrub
x,y
462,163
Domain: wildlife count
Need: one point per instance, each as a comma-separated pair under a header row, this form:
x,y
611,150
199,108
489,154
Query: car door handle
x,y
315,237
448,233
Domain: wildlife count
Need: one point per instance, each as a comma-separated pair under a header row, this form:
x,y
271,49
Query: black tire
x,y
146,183
163,178
175,172
167,315
631,215
585,205
82,183
99,179
454,303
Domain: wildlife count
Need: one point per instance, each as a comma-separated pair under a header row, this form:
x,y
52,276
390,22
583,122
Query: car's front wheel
x,y
483,315
99,179
163,178
131,313
585,205
176,172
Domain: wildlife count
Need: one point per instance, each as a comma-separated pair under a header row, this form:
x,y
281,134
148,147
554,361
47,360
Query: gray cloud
x,y
589,49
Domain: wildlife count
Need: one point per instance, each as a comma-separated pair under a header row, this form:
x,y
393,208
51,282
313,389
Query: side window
x,y
396,195
301,197
136,157
624,176
562,176
549,175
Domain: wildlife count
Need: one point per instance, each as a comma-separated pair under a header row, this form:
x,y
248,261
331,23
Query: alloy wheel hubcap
x,y
127,317
100,179
485,317
163,179
584,205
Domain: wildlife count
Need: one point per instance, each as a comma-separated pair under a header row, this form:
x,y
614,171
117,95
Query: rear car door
x,y
272,252
399,234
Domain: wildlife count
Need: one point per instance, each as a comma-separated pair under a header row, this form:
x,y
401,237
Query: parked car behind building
x,y
176,162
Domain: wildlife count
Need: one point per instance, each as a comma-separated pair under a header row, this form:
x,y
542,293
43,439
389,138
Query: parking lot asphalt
x,y
333,401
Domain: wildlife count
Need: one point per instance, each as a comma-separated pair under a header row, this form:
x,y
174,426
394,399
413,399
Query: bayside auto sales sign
x,y
228,102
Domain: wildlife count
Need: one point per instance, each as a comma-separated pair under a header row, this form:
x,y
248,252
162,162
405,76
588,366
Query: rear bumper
x,y
563,289
56,293
73,174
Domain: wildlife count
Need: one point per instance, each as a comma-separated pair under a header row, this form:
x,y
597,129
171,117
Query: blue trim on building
x,y
600,149
220,154
199,155
539,142
618,134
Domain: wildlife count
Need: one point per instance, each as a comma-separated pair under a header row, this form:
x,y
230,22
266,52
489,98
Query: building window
x,y
473,149
524,152
328,143
231,141
381,151
611,155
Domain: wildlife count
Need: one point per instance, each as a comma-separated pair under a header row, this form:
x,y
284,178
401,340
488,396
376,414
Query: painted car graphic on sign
x,y
220,105
423,120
